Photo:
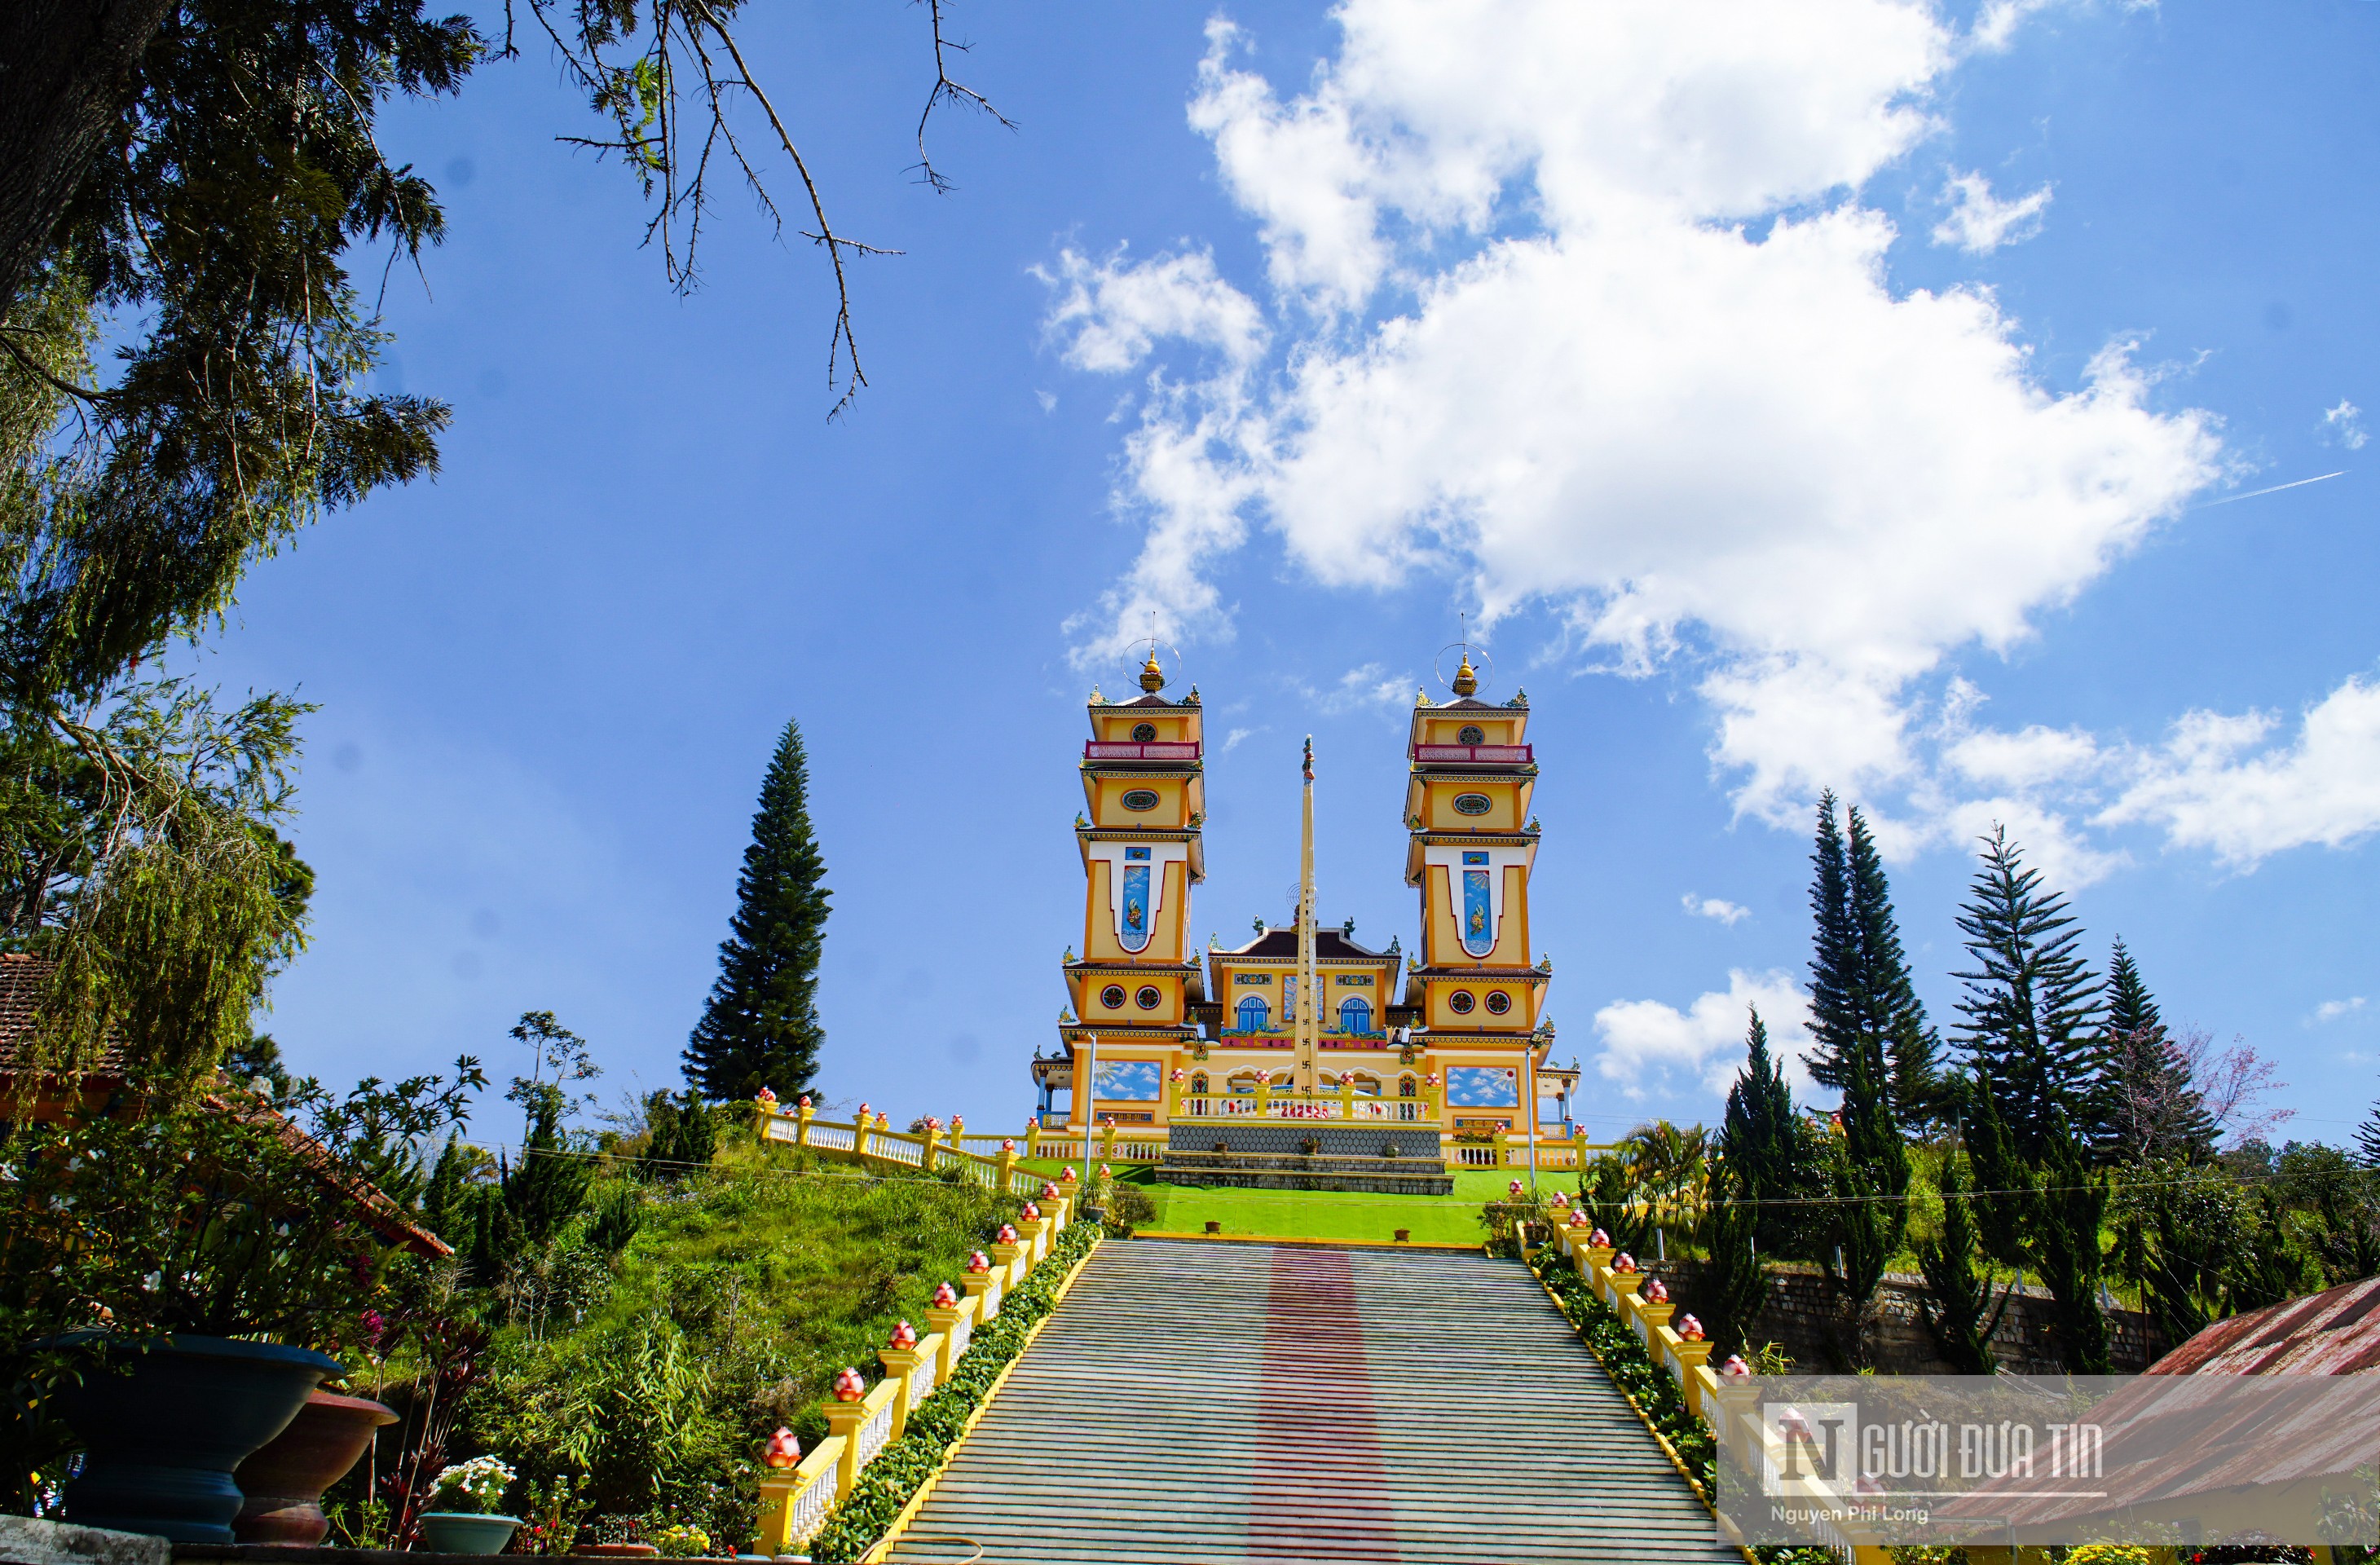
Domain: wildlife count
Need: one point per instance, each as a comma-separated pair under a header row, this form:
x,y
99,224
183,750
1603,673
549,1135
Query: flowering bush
x,y
478,1485
682,1541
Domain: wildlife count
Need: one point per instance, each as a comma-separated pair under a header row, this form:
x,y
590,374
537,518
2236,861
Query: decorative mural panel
x,y
1132,929
1128,1081
1478,918
1475,1086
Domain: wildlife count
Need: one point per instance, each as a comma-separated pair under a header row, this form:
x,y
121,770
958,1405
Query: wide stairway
x,y
1192,1402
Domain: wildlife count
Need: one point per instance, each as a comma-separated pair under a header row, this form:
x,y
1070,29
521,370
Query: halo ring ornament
x,y
1148,651
1485,674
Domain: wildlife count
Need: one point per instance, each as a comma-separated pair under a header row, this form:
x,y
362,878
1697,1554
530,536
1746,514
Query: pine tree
x,y
1760,1142
2367,1138
761,1027
1886,1006
2032,1004
1958,1294
1834,959
2153,1111
1870,1179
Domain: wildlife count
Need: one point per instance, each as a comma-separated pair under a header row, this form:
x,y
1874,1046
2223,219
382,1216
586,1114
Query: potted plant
x,y
468,1520
281,1486
179,1269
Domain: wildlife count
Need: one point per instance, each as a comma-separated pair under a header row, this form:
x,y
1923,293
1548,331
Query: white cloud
x,y
1370,687
1576,304
1979,223
2344,425
2332,1010
1727,913
2217,782
1651,1046
1233,740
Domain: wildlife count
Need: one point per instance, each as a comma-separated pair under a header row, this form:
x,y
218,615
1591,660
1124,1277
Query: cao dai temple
x,y
1303,1042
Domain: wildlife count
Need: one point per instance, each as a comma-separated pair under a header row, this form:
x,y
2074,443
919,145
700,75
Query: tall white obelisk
x,y
1308,1081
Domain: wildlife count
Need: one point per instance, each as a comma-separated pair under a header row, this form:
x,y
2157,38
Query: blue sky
x,y
1838,395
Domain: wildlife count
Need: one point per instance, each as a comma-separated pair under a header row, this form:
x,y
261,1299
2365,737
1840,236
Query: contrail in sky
x,y
2275,490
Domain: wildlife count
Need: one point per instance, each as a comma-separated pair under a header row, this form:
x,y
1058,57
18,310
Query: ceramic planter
x,y
162,1441
283,1484
457,1531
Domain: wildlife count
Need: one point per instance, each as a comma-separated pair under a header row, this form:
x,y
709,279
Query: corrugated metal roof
x,y
2332,1333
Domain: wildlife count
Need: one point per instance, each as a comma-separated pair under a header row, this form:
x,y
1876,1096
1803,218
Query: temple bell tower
x,y
1476,994
1136,978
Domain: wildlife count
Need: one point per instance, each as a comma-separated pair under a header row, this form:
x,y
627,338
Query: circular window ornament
x,y
1143,732
1139,798
1112,997
1149,997
1460,1002
1498,1002
1472,734
1473,804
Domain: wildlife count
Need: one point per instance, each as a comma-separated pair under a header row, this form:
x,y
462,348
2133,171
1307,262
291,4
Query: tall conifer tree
x,y
1888,1008
2153,1109
1834,957
1759,1141
2032,1003
761,1027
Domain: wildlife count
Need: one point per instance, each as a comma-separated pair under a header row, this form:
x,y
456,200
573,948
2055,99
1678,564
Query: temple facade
x,y
1302,1022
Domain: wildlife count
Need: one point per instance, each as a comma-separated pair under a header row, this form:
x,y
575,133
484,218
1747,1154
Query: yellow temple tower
x,y
1133,987
1477,995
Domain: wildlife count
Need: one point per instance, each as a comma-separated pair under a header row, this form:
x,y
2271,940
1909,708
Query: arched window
x,y
1405,1087
1355,1017
1253,1016
1199,1085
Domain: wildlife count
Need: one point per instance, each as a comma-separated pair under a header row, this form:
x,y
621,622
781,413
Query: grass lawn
x,y
1323,1214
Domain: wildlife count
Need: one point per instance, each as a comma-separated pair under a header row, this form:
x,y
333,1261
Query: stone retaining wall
x,y
1803,1317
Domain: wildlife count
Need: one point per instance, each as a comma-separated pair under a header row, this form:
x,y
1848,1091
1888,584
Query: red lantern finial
x,y
849,1387
782,1451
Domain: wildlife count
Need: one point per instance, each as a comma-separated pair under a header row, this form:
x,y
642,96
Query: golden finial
x,y
1152,678
1466,682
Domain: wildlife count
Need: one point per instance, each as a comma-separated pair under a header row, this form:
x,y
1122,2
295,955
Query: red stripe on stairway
x,y
1320,1486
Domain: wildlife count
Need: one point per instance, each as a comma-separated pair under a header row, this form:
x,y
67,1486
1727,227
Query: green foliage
x,y
2192,1239
934,1425
2155,1113
1957,1306
2070,1215
1773,1158
761,1026
156,1214
1623,1357
682,1136
177,900
2031,1005
1737,1283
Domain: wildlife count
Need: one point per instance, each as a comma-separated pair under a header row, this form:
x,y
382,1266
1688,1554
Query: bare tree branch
x,y
944,88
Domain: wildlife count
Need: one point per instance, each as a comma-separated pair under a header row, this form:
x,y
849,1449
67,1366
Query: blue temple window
x,y
1253,1016
1475,858
1355,1017
1139,854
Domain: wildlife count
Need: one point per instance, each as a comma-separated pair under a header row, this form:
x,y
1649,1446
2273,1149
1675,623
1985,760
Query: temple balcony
x,y
1474,755
1141,750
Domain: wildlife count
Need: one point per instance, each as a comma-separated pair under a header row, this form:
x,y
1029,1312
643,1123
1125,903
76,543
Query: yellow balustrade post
x,y
1106,1141
803,1114
1061,1209
764,1109
898,1365
1033,1137
1690,1357
932,1145
776,1529
1655,1317
978,1286
1004,1259
1594,1264
843,1420
1623,1294
1346,1097
1006,1166
958,1128
1264,1098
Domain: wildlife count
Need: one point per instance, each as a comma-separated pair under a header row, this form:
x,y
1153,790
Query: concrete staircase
x,y
1205,1403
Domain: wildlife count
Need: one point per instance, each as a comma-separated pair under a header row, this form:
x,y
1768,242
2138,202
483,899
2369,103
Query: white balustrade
x,y
921,1380
812,1506
876,1433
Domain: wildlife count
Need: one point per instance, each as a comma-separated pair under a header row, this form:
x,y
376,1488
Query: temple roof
x,y
1329,945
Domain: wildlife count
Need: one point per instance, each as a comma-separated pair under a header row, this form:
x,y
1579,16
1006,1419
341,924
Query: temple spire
x,y
1304,1021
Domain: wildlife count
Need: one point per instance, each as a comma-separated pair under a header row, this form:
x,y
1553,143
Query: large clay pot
x,y
457,1532
282,1484
162,1441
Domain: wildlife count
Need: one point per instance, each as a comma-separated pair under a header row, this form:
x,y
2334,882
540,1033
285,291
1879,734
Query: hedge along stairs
x,y
1191,1402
